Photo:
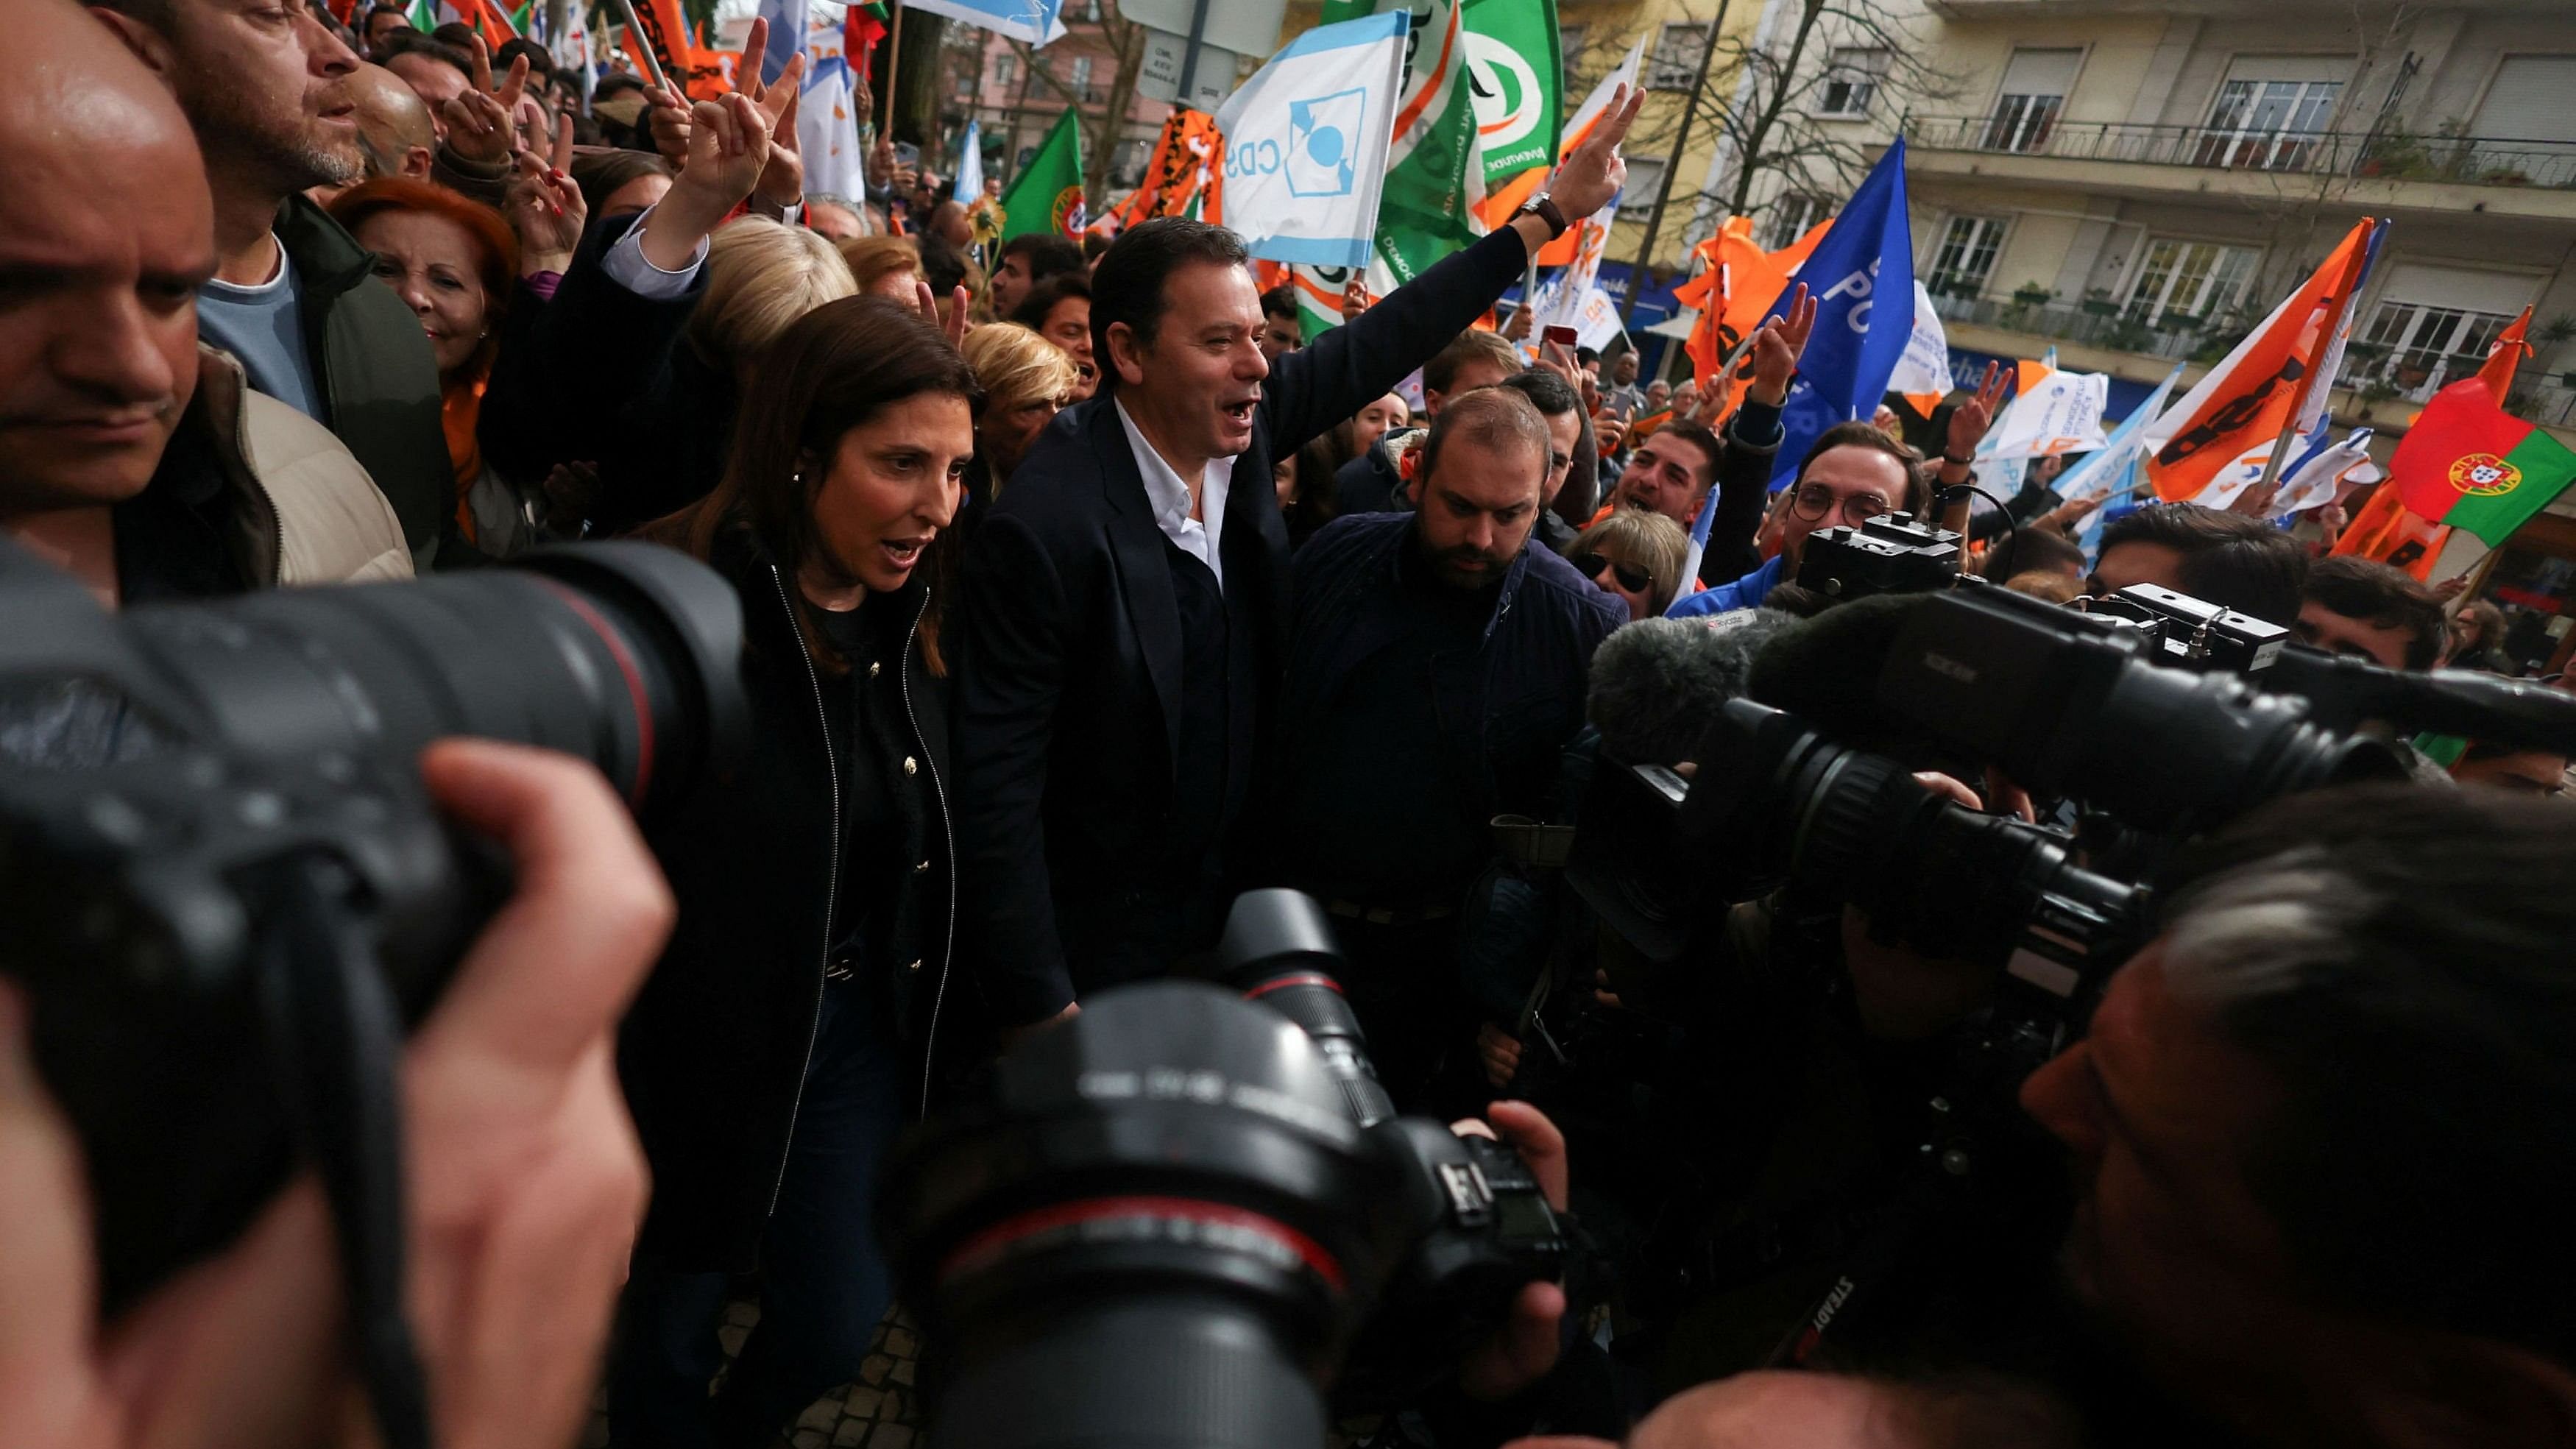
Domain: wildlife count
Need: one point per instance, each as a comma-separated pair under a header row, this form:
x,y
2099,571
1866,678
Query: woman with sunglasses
x,y
1634,556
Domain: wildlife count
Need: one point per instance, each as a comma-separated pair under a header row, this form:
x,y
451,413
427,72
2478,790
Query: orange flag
x,y
2507,354
1182,170
2385,530
2244,402
1739,286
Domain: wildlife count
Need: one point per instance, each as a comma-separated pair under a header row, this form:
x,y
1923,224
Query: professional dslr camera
x,y
227,895
1171,1218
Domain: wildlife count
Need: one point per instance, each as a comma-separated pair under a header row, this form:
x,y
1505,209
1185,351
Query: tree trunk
x,y
1129,42
1749,161
914,114
1637,270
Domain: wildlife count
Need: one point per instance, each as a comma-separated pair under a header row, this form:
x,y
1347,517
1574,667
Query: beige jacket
x,y
310,513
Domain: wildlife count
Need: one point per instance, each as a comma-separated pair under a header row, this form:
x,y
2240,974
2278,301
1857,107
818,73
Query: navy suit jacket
x,y
1068,671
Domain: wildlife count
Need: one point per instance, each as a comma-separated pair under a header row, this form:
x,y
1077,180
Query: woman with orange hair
x,y
457,264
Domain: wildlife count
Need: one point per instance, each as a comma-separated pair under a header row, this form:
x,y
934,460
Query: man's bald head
x,y
106,230
394,130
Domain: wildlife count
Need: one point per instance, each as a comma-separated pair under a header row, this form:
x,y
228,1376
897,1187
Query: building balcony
x,y
2385,171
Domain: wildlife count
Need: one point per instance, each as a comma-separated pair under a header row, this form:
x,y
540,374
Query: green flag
x,y
1434,176
1516,76
1047,194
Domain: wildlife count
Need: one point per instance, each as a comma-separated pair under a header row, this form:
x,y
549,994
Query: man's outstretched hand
x,y
1585,181
524,1179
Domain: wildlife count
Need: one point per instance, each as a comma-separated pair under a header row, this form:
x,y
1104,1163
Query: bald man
x,y
107,229
395,134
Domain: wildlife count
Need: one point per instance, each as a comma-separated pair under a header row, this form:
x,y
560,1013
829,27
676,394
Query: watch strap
x,y
1544,207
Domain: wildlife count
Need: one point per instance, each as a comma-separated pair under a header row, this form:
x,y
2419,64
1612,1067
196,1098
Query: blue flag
x,y
1868,253
786,36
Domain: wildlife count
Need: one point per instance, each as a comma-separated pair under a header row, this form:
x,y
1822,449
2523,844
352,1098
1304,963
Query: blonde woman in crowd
x,y
1634,556
1027,380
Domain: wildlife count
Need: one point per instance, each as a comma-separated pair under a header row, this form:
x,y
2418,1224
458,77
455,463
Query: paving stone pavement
x,y
879,1409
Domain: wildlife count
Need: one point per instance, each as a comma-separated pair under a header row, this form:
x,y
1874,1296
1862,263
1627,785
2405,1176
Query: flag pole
x,y
894,57
643,40
2299,404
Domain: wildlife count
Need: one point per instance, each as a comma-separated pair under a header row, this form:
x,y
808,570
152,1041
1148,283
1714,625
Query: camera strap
x,y
335,1032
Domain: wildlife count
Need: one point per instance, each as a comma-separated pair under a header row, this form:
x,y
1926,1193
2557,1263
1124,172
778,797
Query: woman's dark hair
x,y
2030,549
943,266
1317,502
602,174
1042,299
1127,285
832,370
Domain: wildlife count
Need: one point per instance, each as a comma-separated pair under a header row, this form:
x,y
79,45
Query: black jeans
x,y
824,1283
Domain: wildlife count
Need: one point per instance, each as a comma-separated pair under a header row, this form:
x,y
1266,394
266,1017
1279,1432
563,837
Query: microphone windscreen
x,y
1657,683
1825,669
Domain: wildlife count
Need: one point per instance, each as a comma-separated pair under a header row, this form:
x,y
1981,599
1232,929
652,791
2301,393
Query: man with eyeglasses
x,y
1852,474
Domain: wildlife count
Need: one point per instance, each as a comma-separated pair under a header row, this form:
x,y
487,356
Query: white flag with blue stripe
x,y
1306,143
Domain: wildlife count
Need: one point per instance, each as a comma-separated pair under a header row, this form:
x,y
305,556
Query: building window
x,y
2267,125
1006,68
2199,280
1789,216
1675,64
1851,81
1966,256
1645,183
1081,78
2419,346
2035,87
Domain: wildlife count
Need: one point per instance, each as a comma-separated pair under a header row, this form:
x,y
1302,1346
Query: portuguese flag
x,y
2470,464
1047,194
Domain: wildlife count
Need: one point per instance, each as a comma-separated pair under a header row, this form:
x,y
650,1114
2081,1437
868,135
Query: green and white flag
x,y
1516,77
1435,173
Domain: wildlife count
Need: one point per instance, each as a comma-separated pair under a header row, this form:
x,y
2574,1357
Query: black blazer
x,y
1068,675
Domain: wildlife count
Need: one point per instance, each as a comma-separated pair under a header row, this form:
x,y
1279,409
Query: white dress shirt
x,y
627,266
1171,497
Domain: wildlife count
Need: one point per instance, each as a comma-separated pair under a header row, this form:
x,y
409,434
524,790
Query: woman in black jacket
x,y
790,1026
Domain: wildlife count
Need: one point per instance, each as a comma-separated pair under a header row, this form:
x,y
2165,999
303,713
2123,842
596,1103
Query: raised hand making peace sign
x,y
482,122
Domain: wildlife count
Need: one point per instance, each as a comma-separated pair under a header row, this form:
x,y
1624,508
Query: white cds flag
x,y
2055,412
1306,143
1925,367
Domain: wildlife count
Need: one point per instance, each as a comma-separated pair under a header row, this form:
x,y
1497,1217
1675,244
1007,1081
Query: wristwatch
x,y
1544,207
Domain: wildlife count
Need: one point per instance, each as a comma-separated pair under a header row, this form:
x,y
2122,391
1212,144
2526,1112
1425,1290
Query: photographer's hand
x,y
524,1178
1523,1350
1500,1051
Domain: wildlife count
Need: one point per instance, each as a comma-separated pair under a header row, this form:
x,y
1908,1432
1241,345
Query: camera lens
x,y
1167,1189
1279,949
620,653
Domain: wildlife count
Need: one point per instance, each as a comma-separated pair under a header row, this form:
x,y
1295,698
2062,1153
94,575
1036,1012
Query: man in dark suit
x,y
1123,604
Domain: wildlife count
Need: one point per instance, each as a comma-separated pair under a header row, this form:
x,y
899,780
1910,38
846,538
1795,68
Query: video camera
x,y
1890,554
1173,1214
228,895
